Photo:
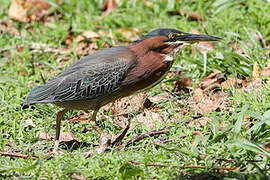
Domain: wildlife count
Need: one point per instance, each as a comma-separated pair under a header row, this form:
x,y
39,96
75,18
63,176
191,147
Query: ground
x,y
209,119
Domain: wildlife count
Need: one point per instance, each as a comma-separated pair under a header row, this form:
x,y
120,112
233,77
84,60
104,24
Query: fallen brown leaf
x,y
192,16
8,27
198,94
198,133
85,48
182,85
206,103
149,118
122,107
266,71
199,122
130,33
212,81
203,46
17,12
68,136
232,82
78,177
45,136
108,6
87,35
28,10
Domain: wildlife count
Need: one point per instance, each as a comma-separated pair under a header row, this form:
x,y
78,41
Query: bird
x,y
113,73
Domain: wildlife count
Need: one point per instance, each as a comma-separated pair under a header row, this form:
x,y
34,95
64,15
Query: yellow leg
x,y
59,117
93,121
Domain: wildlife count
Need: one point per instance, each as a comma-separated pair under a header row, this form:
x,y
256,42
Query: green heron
x,y
113,73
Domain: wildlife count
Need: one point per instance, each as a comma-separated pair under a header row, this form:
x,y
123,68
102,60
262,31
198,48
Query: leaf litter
x,y
26,11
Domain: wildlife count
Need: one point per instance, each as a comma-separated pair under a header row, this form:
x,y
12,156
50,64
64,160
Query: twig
x,y
149,164
183,167
19,155
145,135
122,135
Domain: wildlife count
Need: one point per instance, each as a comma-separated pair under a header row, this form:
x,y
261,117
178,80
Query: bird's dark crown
x,y
174,35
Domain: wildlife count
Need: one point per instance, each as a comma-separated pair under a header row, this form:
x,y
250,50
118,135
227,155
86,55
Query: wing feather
x,y
91,77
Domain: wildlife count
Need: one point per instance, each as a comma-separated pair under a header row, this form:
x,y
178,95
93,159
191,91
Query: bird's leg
x,y
59,117
105,138
93,121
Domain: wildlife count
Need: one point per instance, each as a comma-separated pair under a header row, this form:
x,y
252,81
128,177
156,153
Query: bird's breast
x,y
148,72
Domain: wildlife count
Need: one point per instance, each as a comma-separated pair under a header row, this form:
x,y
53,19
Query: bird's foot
x,y
56,150
104,144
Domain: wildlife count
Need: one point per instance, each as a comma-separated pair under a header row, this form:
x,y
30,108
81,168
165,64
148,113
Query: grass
x,y
226,142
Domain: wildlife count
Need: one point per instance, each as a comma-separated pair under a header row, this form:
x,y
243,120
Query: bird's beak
x,y
192,38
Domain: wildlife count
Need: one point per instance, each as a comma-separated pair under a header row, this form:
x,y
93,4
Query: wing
x,y
92,76
90,83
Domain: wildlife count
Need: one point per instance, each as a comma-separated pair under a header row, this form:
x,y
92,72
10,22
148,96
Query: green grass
x,y
226,141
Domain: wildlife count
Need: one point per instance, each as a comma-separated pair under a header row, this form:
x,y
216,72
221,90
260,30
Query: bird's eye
x,y
171,36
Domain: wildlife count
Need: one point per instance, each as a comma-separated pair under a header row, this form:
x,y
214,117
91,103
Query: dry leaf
x,y
192,16
213,80
149,118
251,85
160,97
182,85
207,103
68,137
87,35
199,122
78,177
266,71
108,6
231,82
256,74
17,12
85,48
198,94
45,136
198,133
25,10
130,33
203,46
7,27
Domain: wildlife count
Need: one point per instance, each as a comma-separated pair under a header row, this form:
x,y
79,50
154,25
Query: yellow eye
x,y
171,36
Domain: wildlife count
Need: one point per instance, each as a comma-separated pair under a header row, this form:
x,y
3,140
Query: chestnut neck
x,y
151,44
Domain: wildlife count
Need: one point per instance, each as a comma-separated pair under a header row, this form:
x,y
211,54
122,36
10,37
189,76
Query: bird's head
x,y
170,41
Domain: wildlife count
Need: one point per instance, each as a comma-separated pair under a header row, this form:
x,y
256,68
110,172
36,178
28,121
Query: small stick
x,y
19,155
119,139
145,135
